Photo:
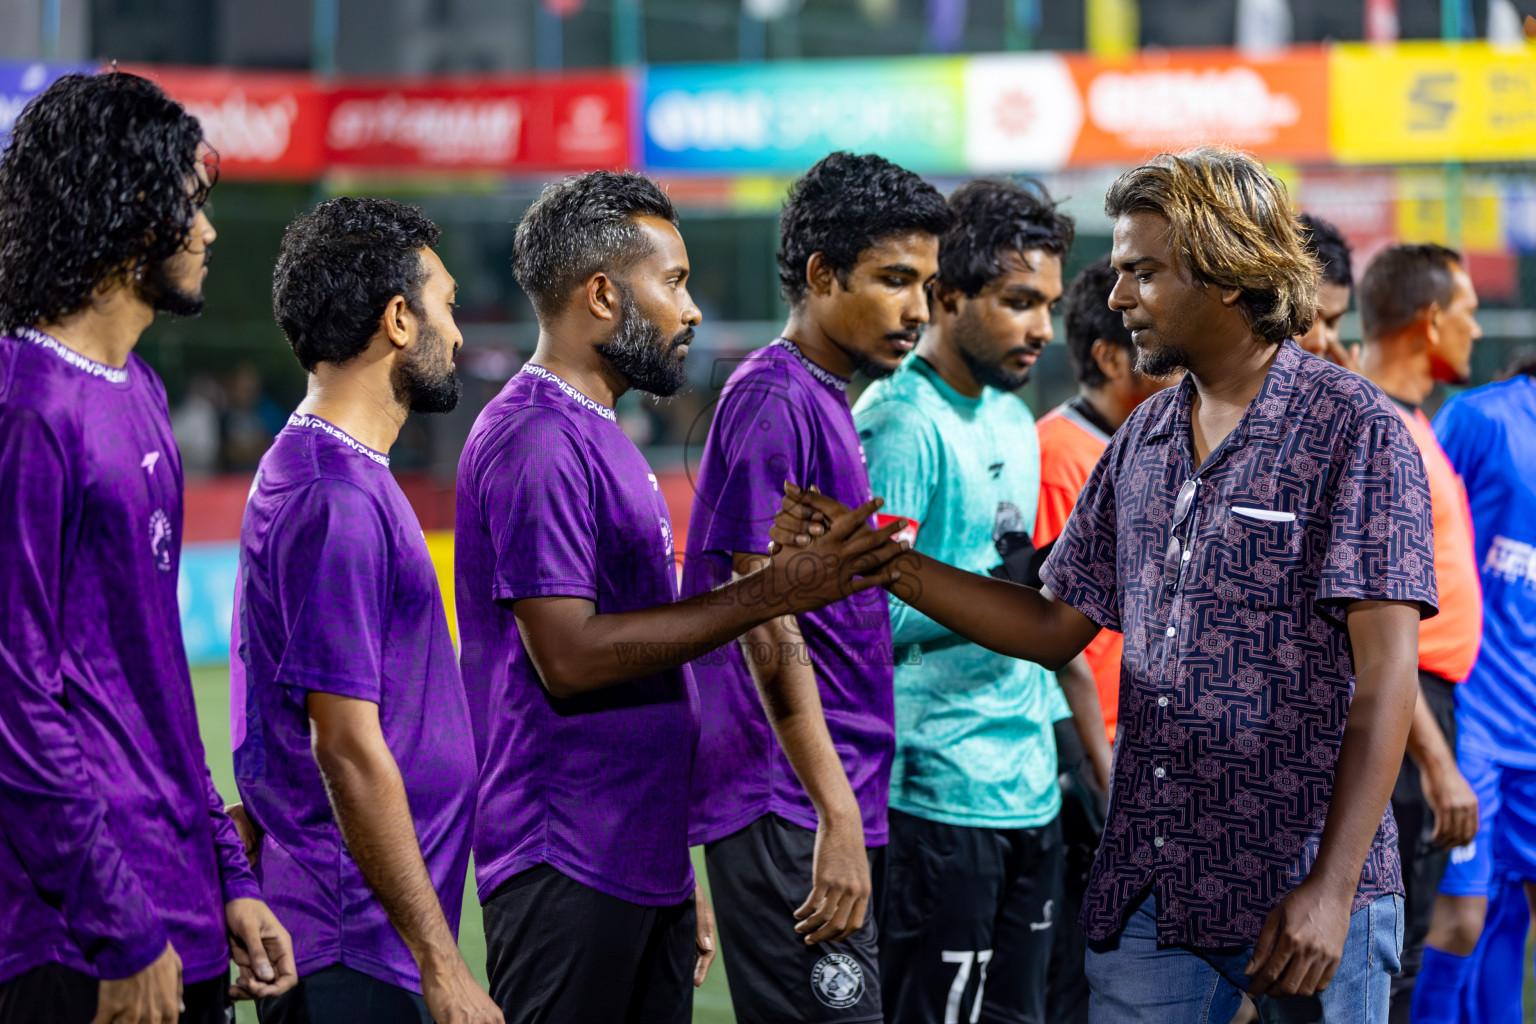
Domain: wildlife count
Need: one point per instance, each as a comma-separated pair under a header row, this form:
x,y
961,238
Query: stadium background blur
x,y
1400,120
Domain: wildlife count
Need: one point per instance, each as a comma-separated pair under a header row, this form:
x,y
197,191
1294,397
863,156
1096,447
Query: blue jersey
x,y
1489,433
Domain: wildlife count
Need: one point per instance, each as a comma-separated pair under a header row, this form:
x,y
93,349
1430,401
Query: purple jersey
x,y
112,839
338,595
554,500
782,417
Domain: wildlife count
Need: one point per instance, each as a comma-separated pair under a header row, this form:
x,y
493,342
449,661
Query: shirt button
x,y
1158,842
1187,553
1159,772
1162,702
1173,630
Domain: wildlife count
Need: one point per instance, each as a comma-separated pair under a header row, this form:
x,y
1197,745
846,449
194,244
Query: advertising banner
x,y
480,124
264,126
22,80
1429,102
785,116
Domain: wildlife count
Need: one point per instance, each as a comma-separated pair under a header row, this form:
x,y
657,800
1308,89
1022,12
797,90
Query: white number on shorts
x,y
965,957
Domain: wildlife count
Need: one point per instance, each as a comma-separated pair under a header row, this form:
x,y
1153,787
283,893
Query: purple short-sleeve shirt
x,y
338,595
780,417
112,838
555,501
1236,682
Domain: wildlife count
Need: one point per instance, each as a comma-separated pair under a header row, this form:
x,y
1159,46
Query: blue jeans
x,y
1139,982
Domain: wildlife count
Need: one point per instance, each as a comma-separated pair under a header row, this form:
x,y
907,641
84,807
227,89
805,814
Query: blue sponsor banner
x,y
786,115
206,593
22,80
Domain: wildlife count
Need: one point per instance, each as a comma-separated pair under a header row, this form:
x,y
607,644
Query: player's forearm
x,y
235,877
780,664
1426,743
1082,693
604,650
369,800
1371,751
1017,621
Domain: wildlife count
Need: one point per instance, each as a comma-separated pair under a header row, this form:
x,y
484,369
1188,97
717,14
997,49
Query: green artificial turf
x,y
711,1004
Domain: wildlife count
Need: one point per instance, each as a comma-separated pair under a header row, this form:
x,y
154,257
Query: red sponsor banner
x,y
263,125
1275,107
481,124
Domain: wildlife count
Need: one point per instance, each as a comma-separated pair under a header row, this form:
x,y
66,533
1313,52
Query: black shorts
x,y
342,995
968,917
758,878
1083,805
559,952
1424,863
55,994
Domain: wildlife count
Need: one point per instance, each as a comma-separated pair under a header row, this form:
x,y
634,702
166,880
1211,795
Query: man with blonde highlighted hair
x,y
1261,535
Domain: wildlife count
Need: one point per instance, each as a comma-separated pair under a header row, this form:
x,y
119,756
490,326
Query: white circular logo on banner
x,y
837,980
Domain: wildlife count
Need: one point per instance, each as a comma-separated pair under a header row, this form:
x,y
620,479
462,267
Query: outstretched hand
x,y
823,551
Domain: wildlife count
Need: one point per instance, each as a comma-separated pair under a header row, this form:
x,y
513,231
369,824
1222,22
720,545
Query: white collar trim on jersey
x,y
308,422
111,374
827,377
570,392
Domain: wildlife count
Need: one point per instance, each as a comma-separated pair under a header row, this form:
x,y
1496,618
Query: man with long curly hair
x,y
1261,535
123,885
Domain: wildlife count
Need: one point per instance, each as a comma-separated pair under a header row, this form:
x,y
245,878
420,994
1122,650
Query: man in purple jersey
x,y
793,773
575,646
354,755
123,885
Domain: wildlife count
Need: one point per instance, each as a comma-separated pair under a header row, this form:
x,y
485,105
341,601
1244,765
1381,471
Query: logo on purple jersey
x,y
837,980
160,539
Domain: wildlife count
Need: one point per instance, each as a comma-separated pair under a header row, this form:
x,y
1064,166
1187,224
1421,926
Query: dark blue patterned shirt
x,y
1237,679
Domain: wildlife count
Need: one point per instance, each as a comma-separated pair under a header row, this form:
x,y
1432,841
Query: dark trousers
x,y
1083,805
559,952
55,994
340,995
1423,862
967,921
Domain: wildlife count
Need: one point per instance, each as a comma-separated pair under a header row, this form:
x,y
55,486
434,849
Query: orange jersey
x,y
1070,446
1448,642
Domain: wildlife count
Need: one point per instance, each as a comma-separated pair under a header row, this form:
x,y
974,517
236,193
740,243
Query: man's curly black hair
x,y
1086,316
93,188
992,219
1321,238
339,266
845,204
579,226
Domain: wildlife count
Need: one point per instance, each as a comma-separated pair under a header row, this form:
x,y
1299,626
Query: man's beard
x,y
165,296
641,355
1161,361
987,374
423,387
868,368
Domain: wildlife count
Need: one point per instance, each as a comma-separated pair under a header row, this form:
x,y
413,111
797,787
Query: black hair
x,y
845,204
1322,239
580,226
93,189
1524,362
994,218
1400,281
1087,317
339,266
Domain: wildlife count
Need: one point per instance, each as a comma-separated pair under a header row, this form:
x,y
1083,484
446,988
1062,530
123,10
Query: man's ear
x,y
942,295
602,297
1112,360
398,322
1430,316
819,274
1229,296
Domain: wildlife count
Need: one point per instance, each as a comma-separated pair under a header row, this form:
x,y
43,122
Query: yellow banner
x,y
1430,102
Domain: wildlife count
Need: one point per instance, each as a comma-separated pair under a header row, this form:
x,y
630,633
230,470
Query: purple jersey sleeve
x,y
1380,529
54,818
764,442
235,876
332,553
537,503
1081,569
